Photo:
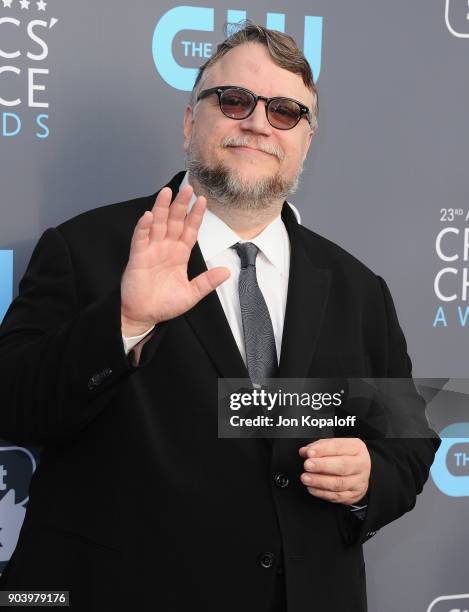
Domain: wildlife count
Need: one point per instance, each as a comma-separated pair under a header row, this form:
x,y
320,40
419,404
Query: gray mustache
x,y
241,141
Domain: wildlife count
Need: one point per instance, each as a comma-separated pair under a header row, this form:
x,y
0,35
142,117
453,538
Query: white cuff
x,y
131,341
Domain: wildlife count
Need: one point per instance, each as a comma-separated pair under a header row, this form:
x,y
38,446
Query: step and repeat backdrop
x,y
92,96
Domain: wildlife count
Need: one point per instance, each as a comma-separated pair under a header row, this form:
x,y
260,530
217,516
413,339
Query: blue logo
x,y
202,19
6,281
450,470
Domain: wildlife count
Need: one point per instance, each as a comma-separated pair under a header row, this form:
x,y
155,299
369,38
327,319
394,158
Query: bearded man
x,y
126,318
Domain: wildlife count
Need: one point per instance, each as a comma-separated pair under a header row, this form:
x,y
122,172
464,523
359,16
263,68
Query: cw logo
x,y
6,281
450,469
202,19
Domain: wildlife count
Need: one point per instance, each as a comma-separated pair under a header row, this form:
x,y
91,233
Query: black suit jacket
x,y
135,498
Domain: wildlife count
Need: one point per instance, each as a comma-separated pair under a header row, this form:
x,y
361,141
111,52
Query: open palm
x,y
155,286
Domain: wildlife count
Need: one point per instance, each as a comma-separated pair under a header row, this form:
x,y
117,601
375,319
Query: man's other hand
x,y
336,469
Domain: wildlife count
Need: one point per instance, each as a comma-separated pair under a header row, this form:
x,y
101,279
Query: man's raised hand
x,y
155,286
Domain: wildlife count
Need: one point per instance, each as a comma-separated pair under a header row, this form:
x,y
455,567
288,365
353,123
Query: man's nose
x,y
257,120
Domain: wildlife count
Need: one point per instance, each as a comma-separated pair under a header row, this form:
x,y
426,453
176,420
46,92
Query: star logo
x,y
41,5
25,4
7,3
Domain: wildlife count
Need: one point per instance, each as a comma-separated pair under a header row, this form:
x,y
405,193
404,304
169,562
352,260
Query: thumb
x,y
206,282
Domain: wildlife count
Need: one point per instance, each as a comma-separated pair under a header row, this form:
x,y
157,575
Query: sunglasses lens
x,y
284,114
236,103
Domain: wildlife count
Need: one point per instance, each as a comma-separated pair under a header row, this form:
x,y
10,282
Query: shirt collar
x,y
216,236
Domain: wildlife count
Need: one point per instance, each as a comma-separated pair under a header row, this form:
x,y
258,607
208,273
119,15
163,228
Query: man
x,y
111,354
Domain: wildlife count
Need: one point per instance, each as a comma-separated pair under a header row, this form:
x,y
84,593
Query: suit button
x,y
281,480
266,560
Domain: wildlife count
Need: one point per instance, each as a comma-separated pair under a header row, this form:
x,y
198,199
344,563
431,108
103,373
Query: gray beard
x,y
226,186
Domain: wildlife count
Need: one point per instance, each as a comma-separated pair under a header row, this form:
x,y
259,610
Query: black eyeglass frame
x,y
304,110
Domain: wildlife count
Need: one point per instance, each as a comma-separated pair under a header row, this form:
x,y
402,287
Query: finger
x,y
344,497
206,282
178,212
344,465
160,212
193,222
331,446
330,483
303,451
328,495
141,235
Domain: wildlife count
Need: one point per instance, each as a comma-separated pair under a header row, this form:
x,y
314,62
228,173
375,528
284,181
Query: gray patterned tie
x,y
259,340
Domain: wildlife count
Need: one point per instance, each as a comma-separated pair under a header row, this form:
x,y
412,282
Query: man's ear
x,y
188,120
309,138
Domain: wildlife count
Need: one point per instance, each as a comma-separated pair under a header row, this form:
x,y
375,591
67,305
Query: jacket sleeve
x,y
399,465
60,364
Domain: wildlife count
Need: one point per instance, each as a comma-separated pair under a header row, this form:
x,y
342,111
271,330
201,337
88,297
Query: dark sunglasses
x,y
239,103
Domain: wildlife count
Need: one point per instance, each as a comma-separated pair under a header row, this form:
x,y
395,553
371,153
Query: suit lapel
x,y
208,320
308,290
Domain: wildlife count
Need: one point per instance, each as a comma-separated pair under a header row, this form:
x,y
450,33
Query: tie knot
x,y
247,252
